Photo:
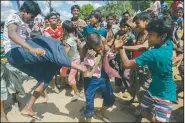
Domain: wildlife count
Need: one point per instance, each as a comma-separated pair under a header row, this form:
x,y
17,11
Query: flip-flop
x,y
31,116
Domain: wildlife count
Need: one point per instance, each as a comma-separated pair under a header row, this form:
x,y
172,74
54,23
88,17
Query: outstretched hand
x,y
120,41
37,51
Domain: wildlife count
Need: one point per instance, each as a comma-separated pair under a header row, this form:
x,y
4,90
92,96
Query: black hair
x,y
35,33
122,23
96,11
93,39
87,18
68,26
51,14
180,8
167,11
120,33
97,15
126,13
161,26
110,15
2,23
75,7
58,14
142,16
30,7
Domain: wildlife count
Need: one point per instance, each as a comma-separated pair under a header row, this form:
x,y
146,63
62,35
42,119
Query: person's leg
x,y
63,74
46,96
4,93
91,85
161,111
145,107
108,97
28,108
53,85
72,81
3,114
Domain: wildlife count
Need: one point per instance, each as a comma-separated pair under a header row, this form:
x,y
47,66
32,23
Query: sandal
x,y
34,116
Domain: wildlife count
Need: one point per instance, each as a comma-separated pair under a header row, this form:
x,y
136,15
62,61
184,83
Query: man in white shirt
x,y
155,7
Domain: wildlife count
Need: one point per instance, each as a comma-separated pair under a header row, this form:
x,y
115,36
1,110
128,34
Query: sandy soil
x,y
60,109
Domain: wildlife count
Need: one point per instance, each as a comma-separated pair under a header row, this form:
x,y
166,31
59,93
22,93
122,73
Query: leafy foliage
x,y
86,10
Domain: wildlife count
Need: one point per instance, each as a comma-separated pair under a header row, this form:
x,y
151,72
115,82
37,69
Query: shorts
x,y
160,108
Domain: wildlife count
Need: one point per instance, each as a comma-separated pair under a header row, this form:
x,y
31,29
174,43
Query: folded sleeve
x,y
146,58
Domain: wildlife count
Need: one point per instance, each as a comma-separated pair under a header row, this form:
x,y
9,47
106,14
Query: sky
x,y
63,7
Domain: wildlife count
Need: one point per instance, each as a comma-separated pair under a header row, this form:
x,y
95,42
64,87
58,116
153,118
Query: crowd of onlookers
x,y
135,52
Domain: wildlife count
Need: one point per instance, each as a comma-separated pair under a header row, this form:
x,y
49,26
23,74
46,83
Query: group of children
x,y
137,54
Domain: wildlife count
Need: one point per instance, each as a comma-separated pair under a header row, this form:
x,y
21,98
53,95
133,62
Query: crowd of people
x,y
137,53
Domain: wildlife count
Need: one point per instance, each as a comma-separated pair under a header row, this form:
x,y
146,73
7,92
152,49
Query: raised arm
x,y
127,64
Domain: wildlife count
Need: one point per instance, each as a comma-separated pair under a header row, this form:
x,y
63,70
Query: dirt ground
x,y
60,109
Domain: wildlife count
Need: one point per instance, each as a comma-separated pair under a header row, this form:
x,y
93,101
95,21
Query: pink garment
x,y
108,69
89,64
72,73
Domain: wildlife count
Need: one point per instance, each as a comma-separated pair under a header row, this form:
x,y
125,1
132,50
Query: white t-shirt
x,y
155,6
22,30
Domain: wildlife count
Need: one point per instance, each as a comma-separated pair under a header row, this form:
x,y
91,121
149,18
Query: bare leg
x,y
46,96
53,85
3,115
75,90
28,108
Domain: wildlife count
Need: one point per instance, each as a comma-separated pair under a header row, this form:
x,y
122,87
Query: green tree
x,y
116,7
86,10
140,5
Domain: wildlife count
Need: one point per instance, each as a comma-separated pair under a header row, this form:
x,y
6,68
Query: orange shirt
x,y
56,34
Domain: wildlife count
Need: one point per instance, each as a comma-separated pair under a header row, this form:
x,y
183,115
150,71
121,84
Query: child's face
x,y
110,20
27,17
88,22
93,20
153,39
46,22
124,28
53,20
99,48
179,13
167,15
140,24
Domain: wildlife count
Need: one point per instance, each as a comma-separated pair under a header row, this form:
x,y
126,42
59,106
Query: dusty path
x,y
60,109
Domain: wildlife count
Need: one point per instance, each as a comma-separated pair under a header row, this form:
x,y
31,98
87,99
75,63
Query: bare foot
x,y
46,99
81,95
29,113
